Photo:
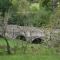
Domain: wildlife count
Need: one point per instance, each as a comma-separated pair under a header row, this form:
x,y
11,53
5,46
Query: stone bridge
x,y
31,34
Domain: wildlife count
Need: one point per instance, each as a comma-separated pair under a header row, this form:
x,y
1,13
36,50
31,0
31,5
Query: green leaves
x,y
55,19
34,7
4,5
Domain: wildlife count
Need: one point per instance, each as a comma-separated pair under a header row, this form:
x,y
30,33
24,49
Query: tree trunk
x,y
8,46
4,31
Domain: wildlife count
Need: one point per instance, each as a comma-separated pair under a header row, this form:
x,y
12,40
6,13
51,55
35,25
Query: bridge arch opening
x,y
37,41
21,37
1,36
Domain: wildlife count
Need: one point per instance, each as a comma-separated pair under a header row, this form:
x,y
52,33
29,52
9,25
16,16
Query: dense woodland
x,y
36,13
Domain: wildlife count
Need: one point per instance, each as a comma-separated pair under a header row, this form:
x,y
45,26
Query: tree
x,y
50,4
4,8
55,28
21,10
55,18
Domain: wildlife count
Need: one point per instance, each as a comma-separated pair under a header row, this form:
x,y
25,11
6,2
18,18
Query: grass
x,y
27,51
30,57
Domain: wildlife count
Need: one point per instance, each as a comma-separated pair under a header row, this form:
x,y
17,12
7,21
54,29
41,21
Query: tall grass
x,y
27,51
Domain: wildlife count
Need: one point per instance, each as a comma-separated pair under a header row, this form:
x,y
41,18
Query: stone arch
x,y
21,37
37,41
